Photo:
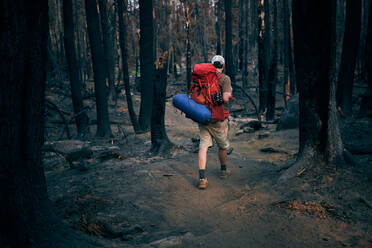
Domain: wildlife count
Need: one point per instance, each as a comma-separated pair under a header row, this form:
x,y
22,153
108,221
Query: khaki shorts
x,y
218,131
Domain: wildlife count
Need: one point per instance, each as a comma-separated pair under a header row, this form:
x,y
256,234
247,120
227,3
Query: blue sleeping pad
x,y
193,110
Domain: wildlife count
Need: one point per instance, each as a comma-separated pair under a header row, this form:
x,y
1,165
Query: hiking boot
x,y
203,183
225,174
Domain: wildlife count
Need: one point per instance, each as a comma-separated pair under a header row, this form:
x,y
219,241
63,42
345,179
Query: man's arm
x,y
226,89
227,95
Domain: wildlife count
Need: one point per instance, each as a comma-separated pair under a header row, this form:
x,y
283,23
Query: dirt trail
x,y
154,202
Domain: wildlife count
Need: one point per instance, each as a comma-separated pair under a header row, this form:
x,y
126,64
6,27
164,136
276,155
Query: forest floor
x,y
130,199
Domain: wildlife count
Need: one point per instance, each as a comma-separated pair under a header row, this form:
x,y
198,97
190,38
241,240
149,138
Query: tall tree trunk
x,y
273,73
188,45
229,60
146,63
201,16
108,45
74,68
286,47
292,71
366,103
349,55
313,52
246,45
124,62
160,143
241,33
361,60
264,55
334,151
26,213
261,58
218,27
98,59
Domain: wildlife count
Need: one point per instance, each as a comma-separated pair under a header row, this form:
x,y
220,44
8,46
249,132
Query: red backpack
x,y
205,89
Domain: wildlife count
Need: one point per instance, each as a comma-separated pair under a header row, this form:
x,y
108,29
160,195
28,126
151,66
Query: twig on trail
x,y
54,106
250,99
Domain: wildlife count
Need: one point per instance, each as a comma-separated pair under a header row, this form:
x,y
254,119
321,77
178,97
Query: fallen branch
x,y
250,99
54,106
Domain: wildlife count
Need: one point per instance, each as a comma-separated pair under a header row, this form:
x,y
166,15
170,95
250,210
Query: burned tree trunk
x,y
160,143
246,45
147,63
242,35
108,44
230,70
26,213
264,54
188,45
200,28
313,52
273,72
217,27
349,55
286,51
74,69
334,151
124,62
261,58
366,103
98,59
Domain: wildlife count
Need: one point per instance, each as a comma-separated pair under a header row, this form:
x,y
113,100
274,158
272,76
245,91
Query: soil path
x,y
154,202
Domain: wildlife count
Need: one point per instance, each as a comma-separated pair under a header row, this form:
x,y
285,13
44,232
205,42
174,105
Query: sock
x,y
201,174
223,167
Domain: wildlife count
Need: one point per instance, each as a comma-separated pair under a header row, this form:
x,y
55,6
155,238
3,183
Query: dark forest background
x,y
104,50
111,42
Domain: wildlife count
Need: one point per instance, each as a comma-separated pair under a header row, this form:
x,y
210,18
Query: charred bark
x,y
349,55
286,47
261,60
26,213
241,33
99,73
246,46
160,143
334,151
366,103
217,26
124,62
273,73
264,55
146,63
312,54
229,59
108,44
188,45
74,70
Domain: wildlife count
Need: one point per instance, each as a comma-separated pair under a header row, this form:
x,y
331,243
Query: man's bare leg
x,y
203,182
222,154
203,158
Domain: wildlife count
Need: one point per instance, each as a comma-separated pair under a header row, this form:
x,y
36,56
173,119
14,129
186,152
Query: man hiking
x,y
216,130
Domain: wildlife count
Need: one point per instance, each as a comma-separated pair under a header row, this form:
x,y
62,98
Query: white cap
x,y
218,58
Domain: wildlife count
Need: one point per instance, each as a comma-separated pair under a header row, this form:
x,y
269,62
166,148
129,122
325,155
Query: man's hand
x,y
227,95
